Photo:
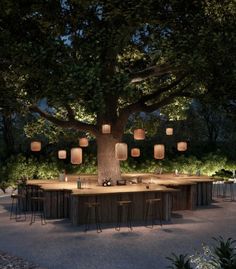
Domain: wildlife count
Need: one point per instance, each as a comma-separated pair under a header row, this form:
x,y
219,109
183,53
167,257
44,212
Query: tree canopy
x,y
101,61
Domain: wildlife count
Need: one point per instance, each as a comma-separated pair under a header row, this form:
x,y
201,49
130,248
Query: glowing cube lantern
x,y
62,154
76,156
83,142
139,134
159,151
135,152
169,131
106,128
35,146
121,151
182,146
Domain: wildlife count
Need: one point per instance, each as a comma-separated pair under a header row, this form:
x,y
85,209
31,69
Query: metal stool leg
x,y
119,214
43,218
153,207
160,213
87,218
129,216
97,220
32,213
146,213
12,207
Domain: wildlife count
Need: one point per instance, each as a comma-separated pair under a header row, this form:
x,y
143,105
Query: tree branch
x,y
72,123
140,105
167,100
162,90
153,71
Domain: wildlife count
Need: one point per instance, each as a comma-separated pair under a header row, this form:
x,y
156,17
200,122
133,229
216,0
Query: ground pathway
x,y
59,245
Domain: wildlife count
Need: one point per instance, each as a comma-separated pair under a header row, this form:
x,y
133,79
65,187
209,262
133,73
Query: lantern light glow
x,y
121,150
159,151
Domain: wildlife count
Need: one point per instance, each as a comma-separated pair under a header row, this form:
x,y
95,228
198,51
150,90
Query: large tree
x,y
98,62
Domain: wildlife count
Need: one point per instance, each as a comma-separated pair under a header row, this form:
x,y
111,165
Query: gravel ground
x,y
12,262
59,245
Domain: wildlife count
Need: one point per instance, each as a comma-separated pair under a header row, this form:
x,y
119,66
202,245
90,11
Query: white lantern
x,y
62,154
169,131
76,156
106,128
135,152
182,146
159,151
139,134
83,142
121,150
35,146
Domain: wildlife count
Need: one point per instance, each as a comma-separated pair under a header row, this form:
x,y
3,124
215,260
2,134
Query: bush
x,y
179,262
221,256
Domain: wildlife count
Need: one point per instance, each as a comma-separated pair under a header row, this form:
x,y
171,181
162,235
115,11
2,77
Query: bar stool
x,y
151,206
228,185
122,208
38,207
88,215
17,206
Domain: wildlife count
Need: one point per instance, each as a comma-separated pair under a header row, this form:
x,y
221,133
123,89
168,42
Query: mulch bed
x,y
8,261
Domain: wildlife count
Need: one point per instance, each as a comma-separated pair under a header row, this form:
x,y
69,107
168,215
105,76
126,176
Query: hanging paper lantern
x,y
159,151
121,150
35,146
182,146
135,152
169,131
83,142
61,154
106,128
76,156
139,134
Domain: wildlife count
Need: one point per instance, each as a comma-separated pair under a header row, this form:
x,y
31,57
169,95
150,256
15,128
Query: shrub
x,y
221,256
225,253
179,262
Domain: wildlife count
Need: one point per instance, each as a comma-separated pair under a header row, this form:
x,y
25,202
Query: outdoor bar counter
x,y
64,200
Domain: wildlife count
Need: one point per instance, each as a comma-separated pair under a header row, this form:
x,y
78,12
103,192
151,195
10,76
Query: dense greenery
x,y
19,167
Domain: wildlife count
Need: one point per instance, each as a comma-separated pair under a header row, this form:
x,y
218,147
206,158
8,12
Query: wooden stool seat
x,y
154,200
17,196
151,205
123,203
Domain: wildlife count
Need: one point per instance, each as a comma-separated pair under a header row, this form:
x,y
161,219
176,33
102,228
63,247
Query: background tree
x,y
99,62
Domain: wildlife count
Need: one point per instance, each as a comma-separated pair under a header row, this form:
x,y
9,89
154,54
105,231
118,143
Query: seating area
x,y
68,245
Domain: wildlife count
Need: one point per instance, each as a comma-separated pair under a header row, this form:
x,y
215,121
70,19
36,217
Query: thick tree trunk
x,y
108,165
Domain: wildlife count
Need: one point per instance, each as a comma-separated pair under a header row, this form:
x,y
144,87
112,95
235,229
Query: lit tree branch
x,y
153,71
72,123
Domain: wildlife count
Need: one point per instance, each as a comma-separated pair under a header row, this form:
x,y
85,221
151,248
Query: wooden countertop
x,y
168,176
58,185
161,182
